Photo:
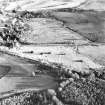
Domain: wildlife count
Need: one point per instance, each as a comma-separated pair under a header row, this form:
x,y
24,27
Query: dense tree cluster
x,y
11,32
29,98
83,93
40,14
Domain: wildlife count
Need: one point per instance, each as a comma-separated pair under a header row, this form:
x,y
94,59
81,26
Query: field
x,y
59,60
88,24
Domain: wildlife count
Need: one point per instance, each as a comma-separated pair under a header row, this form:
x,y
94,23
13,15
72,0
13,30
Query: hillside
x,y
52,4
52,52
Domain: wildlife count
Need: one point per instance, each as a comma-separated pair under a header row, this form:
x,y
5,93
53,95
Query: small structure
x,y
33,74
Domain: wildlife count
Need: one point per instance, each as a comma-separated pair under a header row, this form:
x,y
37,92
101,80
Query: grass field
x,y
90,25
